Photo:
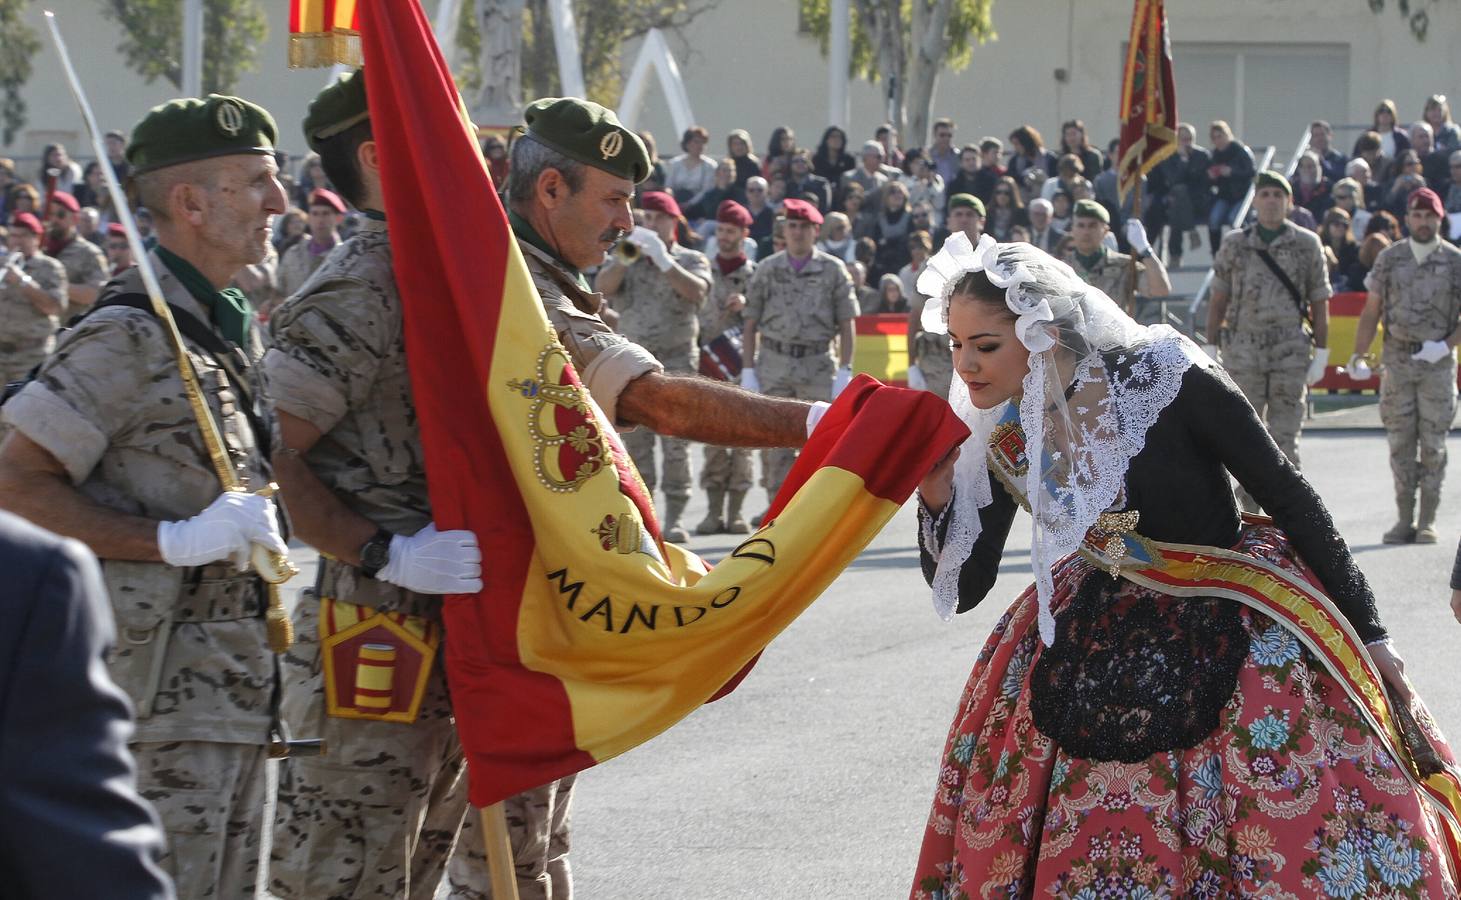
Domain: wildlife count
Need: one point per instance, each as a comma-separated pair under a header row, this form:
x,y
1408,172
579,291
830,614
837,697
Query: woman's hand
x,y
1392,668
938,485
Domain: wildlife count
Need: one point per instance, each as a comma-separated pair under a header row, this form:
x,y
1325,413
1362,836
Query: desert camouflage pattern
x,y
726,468
295,266
85,263
1111,275
27,335
655,317
538,825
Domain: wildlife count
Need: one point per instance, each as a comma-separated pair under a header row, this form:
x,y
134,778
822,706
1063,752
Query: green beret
x,y
1270,178
970,201
589,133
190,129
1090,209
335,109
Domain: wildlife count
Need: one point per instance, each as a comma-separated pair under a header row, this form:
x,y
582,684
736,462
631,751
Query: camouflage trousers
x,y
806,378
728,469
936,362
210,798
1417,406
1270,368
538,824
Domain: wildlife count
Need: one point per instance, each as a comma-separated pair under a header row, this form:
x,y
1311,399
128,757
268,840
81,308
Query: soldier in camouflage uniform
x,y
376,814
32,297
1415,289
306,255
728,470
1109,271
799,300
658,298
104,448
1265,339
86,264
930,363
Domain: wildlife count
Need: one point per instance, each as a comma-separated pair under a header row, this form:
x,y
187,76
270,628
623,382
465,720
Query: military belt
x,y
211,595
795,351
1267,337
1395,345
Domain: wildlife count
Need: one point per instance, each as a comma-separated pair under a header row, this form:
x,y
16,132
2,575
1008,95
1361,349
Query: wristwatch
x,y
376,553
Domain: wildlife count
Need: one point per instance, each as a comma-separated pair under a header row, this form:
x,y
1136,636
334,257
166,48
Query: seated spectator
x,y
1043,231
1019,234
1303,218
690,175
7,181
887,135
891,228
923,219
867,297
1311,188
837,238
872,174
1382,231
1321,141
1369,147
890,298
1180,192
738,148
991,170
1062,208
1029,155
92,186
1408,179
1231,174
943,158
1453,196
498,165
1068,169
803,182
1007,210
1075,141
775,242
924,184
1434,164
1361,172
832,159
866,252
656,179
854,203
24,198
920,248
776,191
723,189
1393,138
58,171
311,178
1437,114
1349,195
758,204
966,176
1337,238
779,148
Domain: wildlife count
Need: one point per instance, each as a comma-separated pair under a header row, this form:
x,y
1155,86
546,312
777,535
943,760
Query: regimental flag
x,y
1148,97
591,634
323,33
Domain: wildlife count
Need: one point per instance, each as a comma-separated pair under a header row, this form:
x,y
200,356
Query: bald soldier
x,y
573,174
104,448
1105,269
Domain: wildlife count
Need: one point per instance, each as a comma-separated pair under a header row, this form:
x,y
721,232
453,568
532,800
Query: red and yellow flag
x,y
591,634
323,33
1148,97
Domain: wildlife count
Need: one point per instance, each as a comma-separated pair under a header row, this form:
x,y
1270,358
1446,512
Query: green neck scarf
x,y
229,307
1268,236
525,231
1090,262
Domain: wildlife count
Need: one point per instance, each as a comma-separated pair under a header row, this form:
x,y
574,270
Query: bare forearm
x,y
1364,331
1319,313
610,278
49,500
712,412
1157,282
687,285
1217,311
320,518
847,338
43,302
749,343
82,294
915,327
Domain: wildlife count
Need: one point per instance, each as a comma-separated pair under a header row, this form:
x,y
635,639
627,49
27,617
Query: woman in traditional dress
x,y
1150,719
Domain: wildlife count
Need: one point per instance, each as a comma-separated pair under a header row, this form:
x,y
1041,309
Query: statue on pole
x,y
500,101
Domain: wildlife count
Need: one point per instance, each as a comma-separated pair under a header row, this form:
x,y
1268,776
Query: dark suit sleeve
x,y
981,569
71,822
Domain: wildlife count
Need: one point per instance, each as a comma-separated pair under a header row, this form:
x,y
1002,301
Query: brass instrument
x,y
625,253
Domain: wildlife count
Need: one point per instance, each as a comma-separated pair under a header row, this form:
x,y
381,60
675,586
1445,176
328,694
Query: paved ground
x,y
813,778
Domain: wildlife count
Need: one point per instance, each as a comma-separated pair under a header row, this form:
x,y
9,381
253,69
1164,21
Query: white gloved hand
x,y
1432,351
1212,352
227,529
651,246
815,414
1358,369
916,381
434,562
841,380
749,381
1136,236
1317,366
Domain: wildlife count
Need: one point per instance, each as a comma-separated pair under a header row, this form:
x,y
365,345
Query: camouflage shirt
x,y
806,307
654,315
715,319
1419,301
1111,275
85,263
26,333
1258,300
297,264
110,406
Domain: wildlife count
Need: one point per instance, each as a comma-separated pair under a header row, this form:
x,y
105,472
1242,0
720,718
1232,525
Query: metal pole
x,y
839,52
192,48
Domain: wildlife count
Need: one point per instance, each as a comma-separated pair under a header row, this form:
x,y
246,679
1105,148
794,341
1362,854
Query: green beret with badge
x,y
336,109
1090,209
1270,178
588,133
191,129
967,201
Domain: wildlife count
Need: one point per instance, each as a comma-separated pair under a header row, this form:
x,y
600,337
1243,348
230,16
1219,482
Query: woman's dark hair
x,y
773,150
822,145
1384,223
1335,215
1028,138
976,285
337,158
694,131
1085,138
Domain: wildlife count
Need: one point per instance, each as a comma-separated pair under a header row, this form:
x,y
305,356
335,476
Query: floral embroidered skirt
x,y
1168,747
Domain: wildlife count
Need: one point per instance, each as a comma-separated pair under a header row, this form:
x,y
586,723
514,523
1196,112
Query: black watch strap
x,y
375,553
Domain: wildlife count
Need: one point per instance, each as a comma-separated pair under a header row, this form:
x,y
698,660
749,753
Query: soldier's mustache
x,y
613,236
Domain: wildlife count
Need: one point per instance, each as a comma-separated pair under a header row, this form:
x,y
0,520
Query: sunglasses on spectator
x,y
1003,194
1344,196
755,190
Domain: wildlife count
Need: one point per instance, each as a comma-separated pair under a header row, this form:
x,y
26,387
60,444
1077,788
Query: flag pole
x,y
500,864
1136,214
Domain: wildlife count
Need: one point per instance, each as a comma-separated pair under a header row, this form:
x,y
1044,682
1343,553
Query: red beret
x,y
322,197
801,209
1426,199
116,229
732,213
61,198
659,201
28,222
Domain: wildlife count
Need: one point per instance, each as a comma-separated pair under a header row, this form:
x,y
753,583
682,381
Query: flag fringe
x,y
321,49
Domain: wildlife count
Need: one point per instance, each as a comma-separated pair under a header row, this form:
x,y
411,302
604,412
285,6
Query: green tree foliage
x,y
17,48
152,44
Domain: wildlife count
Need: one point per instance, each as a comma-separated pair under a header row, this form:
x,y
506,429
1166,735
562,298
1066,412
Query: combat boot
x,y
1425,530
673,531
713,523
1403,531
735,523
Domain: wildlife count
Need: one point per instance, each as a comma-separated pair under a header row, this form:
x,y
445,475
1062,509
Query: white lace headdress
x,y
1097,382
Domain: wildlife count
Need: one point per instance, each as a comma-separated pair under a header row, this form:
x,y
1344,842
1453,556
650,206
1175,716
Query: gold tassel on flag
x,y
323,33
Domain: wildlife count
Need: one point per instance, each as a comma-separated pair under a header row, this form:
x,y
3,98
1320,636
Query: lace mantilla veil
x,y
1097,382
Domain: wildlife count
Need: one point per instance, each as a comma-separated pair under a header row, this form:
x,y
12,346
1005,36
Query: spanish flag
x,y
323,33
1148,97
591,634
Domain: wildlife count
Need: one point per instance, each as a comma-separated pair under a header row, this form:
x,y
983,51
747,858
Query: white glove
x,y
916,381
1358,369
814,415
227,529
841,380
1212,352
434,562
749,381
651,246
1432,351
1136,236
1317,366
